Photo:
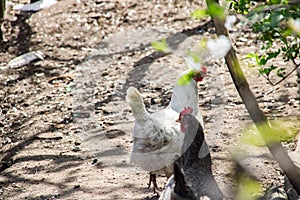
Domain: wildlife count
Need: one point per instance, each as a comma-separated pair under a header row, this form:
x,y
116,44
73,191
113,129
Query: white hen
x,y
157,138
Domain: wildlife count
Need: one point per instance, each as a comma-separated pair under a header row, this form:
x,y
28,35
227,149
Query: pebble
x,y
76,186
76,149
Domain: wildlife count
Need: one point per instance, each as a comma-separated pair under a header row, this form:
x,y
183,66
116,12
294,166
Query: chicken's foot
x,y
152,179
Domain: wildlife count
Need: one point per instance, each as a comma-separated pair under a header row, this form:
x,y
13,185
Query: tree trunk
x,y
298,80
258,117
2,13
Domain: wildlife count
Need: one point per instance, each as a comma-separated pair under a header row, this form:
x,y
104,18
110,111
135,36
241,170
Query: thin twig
x,y
286,75
283,78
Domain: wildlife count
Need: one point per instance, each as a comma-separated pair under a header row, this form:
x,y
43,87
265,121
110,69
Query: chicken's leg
x,y
152,179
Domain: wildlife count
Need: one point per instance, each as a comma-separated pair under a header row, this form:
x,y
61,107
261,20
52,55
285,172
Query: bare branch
x,y
295,68
283,78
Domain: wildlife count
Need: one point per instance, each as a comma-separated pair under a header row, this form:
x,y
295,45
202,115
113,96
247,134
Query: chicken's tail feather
x,y
136,102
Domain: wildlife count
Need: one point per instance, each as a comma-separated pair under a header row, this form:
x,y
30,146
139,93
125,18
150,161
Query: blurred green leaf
x,y
199,13
283,130
194,55
252,138
161,46
248,188
252,56
185,79
280,72
274,1
286,129
216,10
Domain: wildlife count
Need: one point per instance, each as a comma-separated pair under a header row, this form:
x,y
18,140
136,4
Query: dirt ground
x,y
95,50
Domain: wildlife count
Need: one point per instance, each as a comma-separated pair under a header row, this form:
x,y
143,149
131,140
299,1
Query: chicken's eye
x,y
166,140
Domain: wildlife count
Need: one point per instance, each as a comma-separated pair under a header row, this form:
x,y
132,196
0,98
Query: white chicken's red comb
x,y
185,111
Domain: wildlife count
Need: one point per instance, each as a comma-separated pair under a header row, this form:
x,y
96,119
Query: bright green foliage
x,y
195,56
248,188
272,21
214,9
283,130
252,137
183,80
199,13
240,6
161,46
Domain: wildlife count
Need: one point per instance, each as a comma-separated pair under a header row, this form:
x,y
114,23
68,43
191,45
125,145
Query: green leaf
x,y
249,189
277,27
262,61
280,72
286,129
280,131
215,10
194,55
273,54
275,18
185,79
254,56
241,6
250,136
267,70
275,1
161,46
199,13
252,139
251,55
283,130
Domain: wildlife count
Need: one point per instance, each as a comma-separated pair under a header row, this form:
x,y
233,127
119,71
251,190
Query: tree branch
x,y
258,117
283,78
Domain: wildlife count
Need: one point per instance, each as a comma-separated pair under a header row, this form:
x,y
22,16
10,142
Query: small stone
x,y
95,160
76,186
104,74
76,149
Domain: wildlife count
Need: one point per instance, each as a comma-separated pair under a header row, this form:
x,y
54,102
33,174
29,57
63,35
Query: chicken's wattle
x,y
200,75
183,126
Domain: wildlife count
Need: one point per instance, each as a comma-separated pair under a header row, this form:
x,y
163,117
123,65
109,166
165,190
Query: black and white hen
x,y
193,178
